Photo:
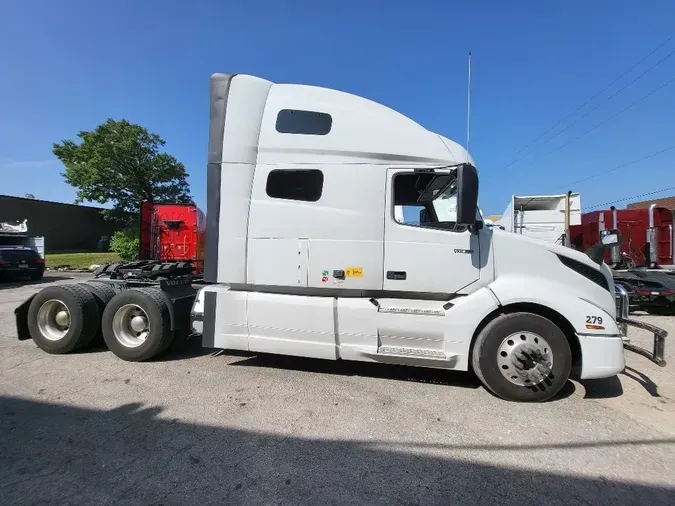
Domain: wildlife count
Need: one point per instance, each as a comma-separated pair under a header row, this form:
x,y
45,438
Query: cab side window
x,y
426,199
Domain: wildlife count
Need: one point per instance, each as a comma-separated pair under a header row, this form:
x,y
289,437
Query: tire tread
x,y
150,295
83,312
483,338
90,317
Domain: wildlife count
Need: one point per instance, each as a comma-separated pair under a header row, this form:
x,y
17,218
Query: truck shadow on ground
x,y
347,368
183,347
460,379
606,388
187,348
644,380
52,453
611,387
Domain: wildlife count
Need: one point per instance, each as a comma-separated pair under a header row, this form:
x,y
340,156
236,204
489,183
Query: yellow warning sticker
x,y
354,272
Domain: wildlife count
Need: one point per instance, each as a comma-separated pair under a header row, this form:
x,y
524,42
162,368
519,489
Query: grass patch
x,y
79,260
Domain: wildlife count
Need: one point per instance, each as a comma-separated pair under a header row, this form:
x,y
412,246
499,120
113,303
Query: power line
x,y
631,198
603,122
597,106
617,168
595,96
592,110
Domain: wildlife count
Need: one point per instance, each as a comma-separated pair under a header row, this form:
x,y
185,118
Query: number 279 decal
x,y
594,320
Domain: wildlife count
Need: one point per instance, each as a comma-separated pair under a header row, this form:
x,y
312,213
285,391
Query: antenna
x,y
468,110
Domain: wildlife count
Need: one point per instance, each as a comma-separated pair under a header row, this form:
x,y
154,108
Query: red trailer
x,y
647,235
173,233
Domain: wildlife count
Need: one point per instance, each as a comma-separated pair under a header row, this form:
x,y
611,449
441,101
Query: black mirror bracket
x,y
467,194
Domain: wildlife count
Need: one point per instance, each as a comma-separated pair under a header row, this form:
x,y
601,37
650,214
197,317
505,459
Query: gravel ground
x,y
90,428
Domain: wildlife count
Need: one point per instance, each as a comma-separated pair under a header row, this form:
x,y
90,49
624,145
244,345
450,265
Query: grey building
x,y
65,227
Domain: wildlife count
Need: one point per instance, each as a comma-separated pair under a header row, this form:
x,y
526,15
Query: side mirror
x,y
608,239
467,194
424,217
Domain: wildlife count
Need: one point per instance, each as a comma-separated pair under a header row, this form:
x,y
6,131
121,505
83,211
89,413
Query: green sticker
x,y
324,273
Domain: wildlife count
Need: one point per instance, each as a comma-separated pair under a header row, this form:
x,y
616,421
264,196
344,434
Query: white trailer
x,y
338,228
543,217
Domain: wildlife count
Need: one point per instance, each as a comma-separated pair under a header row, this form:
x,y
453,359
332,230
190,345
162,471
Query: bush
x,y
126,244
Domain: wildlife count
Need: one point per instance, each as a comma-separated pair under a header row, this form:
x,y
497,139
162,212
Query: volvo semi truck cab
x,y
338,228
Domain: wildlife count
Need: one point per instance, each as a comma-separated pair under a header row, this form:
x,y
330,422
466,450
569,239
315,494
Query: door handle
x,y
396,275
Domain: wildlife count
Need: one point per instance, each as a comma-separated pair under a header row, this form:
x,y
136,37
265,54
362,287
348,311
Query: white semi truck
x,y
338,228
544,217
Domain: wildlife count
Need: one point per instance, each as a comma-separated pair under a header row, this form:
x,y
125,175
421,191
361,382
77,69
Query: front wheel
x,y
522,357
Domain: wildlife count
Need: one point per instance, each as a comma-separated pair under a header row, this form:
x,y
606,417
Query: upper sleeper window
x,y
305,185
293,121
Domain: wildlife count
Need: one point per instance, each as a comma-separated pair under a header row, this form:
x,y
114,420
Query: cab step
x,y
412,352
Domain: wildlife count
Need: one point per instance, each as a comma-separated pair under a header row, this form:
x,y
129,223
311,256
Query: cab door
x,y
424,250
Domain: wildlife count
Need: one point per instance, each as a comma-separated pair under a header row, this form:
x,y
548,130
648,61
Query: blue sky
x,y
67,66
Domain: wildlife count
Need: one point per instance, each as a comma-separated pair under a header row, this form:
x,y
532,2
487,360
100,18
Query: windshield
x,y
445,201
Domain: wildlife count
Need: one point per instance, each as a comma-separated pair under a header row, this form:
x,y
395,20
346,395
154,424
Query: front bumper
x,y
15,270
657,355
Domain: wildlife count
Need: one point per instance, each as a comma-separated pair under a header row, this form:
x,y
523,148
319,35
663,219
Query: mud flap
x,y
179,295
21,318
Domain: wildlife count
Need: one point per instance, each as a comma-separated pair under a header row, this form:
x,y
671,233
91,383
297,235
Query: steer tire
x,y
159,334
84,318
486,347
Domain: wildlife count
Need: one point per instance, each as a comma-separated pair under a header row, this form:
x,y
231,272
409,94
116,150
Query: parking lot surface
x,y
245,429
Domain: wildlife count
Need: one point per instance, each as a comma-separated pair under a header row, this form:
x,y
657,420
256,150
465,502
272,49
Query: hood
x,y
518,256
558,249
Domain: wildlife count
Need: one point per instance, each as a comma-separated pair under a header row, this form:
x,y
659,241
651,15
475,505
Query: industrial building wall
x,y
667,202
65,227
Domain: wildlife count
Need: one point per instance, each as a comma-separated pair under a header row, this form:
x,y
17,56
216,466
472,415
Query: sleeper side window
x,y
291,184
295,121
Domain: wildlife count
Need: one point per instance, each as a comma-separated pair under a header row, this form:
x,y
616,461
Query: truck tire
x,y
103,293
63,318
522,357
136,324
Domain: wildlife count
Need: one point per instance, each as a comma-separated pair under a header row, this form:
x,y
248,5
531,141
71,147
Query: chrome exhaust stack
x,y
652,239
615,251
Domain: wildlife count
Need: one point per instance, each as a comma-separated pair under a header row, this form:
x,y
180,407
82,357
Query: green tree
x,y
126,244
120,163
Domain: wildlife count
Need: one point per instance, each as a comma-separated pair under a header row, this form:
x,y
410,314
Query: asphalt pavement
x,y
88,428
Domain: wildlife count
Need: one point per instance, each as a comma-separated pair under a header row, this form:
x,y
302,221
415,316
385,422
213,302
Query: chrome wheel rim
x,y
525,359
131,326
53,320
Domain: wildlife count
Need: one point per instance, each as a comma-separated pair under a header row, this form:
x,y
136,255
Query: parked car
x,y
649,291
20,261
